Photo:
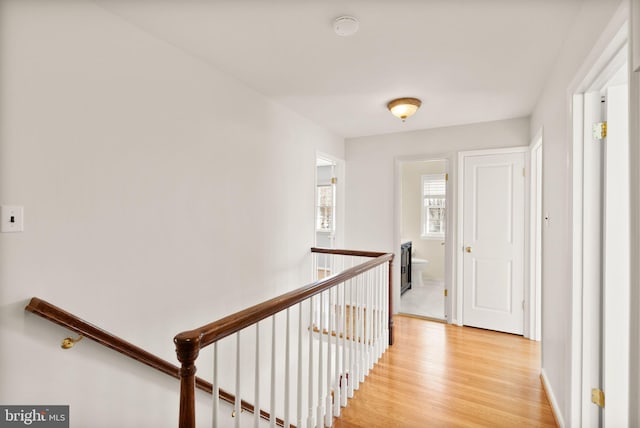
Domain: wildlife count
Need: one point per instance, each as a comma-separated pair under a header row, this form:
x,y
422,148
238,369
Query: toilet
x,y
418,266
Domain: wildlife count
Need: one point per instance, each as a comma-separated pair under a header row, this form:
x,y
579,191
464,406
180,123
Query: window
x,y
324,208
434,193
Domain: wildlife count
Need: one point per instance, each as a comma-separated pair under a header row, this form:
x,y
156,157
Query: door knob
x,y
467,249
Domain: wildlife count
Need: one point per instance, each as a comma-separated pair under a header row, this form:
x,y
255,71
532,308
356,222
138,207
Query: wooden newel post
x,y
187,349
391,302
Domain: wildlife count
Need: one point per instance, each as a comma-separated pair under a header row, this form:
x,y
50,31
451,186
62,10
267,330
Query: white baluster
x,y
386,306
314,266
329,407
370,321
381,287
367,323
320,412
256,409
337,398
360,342
334,263
272,411
215,391
310,401
372,317
376,313
357,333
237,405
378,287
299,388
354,343
287,373
352,330
344,372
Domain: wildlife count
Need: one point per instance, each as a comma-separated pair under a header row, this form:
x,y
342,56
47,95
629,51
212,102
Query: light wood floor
x,y
439,375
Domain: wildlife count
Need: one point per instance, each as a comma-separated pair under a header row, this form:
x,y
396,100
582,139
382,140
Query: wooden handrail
x,y
342,252
217,330
85,329
65,319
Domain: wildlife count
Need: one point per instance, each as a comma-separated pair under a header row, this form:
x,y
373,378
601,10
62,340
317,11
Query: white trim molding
x,y
557,414
634,203
533,241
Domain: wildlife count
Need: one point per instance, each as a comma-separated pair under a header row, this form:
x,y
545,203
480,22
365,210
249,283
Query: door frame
x,y
459,289
594,70
533,253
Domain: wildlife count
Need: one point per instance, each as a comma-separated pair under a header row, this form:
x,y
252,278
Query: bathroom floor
x,y
426,300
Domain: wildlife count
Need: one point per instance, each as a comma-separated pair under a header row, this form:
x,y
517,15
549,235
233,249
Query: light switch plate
x,y
12,218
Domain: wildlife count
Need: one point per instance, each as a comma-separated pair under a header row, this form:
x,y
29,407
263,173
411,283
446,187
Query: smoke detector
x,y
345,26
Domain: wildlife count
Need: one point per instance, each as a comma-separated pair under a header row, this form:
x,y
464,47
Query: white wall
x,y
140,169
372,219
553,115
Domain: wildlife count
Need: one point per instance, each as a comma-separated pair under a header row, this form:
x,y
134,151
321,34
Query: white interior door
x,y
493,236
616,260
592,258
605,356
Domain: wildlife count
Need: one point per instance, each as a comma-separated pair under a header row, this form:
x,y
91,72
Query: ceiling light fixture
x,y
403,108
345,26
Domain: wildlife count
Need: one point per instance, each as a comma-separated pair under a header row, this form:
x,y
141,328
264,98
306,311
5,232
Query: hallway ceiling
x,y
468,60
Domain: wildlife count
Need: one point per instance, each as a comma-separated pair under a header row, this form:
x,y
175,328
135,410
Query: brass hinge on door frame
x,y
334,180
597,397
446,292
446,177
600,130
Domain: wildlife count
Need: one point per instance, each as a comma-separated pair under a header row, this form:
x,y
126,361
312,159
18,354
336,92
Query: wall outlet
x,y
12,218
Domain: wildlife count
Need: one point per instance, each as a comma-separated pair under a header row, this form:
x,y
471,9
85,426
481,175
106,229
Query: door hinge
x,y
446,177
523,305
600,130
446,292
524,174
334,180
597,397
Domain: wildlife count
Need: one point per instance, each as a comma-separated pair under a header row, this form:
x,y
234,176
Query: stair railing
x,y
343,323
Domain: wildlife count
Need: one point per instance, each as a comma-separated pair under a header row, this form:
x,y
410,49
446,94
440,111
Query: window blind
x,y
434,185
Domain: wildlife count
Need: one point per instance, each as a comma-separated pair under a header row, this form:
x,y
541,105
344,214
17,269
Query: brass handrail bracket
x,y
67,342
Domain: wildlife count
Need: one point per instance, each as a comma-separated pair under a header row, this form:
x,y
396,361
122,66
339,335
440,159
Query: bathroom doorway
x,y
423,226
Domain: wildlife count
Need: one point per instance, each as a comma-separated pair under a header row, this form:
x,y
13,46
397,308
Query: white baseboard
x,y
557,414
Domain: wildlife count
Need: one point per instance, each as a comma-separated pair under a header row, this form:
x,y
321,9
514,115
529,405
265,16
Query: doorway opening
x,y
328,207
423,231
